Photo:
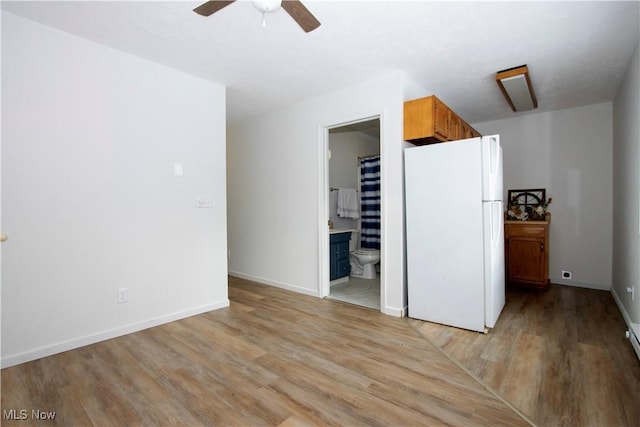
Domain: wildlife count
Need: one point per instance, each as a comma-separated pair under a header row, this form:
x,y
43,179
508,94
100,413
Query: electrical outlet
x,y
567,275
122,295
632,291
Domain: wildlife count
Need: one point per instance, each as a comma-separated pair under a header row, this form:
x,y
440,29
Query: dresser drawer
x,y
526,230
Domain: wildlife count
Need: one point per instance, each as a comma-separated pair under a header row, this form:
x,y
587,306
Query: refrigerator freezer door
x,y
493,261
445,262
492,168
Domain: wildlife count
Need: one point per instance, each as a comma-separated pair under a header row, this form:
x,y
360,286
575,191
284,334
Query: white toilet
x,y
363,263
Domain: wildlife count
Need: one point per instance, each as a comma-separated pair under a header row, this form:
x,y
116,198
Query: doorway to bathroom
x,y
354,216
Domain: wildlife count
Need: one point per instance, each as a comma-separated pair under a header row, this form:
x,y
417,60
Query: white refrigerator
x,y
455,234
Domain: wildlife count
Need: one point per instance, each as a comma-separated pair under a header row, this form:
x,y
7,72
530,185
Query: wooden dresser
x,y
526,249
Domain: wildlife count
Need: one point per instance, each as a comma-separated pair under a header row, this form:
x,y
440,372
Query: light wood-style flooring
x,y
559,356
273,358
285,359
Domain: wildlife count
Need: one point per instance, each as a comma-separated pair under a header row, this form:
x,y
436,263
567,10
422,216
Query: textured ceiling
x,y
576,52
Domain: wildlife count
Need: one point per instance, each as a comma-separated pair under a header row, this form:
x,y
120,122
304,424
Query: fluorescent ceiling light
x,y
515,85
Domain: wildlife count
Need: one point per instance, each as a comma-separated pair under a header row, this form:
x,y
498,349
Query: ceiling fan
x,y
295,8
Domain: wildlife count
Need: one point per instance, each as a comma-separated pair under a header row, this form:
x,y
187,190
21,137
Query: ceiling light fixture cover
x,y
515,85
265,6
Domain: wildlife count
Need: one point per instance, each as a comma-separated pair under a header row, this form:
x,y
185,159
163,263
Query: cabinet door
x,y
339,264
441,122
343,250
343,264
455,127
526,259
343,268
333,261
465,131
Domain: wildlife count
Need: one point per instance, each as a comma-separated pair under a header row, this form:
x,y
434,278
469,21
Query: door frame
x,y
323,192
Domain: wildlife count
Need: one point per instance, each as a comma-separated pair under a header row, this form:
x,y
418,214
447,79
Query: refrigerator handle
x,y
495,221
495,154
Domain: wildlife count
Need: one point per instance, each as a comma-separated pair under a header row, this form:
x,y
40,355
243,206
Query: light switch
x,y
204,201
178,169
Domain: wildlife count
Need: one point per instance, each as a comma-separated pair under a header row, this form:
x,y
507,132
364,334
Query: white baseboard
x,y
49,350
394,311
562,282
281,285
633,328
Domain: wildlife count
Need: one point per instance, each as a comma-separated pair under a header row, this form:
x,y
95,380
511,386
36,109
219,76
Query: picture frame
x,y
526,200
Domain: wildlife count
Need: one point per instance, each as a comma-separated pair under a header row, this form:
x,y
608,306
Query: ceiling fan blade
x,y
212,6
301,15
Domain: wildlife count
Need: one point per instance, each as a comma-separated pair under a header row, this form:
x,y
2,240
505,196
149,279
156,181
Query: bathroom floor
x,y
364,292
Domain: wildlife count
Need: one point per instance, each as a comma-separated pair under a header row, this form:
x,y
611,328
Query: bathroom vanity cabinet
x,y
339,265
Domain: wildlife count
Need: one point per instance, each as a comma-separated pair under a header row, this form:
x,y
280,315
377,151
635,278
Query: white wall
x,y
89,200
626,192
568,152
276,223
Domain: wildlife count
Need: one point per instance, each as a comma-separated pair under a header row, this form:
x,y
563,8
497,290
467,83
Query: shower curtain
x,y
370,202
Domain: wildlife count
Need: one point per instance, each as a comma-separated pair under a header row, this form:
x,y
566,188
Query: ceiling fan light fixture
x,y
516,87
265,6
294,8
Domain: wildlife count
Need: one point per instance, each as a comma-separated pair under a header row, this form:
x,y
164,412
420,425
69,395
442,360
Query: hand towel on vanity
x,y
348,203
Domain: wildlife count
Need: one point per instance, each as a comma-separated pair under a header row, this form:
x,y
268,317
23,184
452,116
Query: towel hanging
x,y
348,203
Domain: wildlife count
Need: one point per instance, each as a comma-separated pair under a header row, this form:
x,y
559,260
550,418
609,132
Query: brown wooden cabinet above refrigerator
x,y
428,120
